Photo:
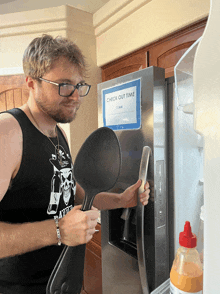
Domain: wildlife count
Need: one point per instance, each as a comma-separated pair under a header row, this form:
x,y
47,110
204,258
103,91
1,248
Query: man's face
x,y
61,109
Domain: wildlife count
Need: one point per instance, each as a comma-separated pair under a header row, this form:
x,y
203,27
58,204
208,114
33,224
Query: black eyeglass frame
x,y
62,84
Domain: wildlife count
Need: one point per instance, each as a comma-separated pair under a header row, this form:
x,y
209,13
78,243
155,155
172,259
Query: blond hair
x,y
39,56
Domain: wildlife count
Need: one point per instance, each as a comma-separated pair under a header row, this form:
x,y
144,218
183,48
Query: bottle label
x,y
174,290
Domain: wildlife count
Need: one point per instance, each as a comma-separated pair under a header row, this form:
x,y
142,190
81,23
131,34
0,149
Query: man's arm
x,y
11,151
21,238
107,200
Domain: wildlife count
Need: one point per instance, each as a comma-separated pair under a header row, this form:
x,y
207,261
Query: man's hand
x,y
77,227
129,196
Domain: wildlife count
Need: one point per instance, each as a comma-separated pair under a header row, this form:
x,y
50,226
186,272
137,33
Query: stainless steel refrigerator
x,y
138,250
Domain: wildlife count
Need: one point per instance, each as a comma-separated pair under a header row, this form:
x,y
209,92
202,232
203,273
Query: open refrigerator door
x,y
187,161
188,148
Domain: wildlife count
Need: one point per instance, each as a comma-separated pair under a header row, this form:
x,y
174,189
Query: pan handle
x,y
140,221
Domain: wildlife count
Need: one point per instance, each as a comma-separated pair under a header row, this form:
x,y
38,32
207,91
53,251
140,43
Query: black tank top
x,y
43,187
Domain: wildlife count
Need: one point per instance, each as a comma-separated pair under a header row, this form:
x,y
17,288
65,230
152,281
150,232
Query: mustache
x,y
76,104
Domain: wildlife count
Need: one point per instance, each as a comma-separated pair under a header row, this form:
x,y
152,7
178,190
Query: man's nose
x,y
75,96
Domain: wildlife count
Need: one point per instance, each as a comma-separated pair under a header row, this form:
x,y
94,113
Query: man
x,y
37,188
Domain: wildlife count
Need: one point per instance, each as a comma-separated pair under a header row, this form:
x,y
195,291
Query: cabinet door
x,y
164,53
92,283
13,92
133,62
93,272
167,53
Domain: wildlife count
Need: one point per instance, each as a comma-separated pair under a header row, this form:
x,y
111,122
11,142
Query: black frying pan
x,y
96,169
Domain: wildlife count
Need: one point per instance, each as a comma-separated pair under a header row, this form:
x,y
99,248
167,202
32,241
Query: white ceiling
x,y
5,1
11,6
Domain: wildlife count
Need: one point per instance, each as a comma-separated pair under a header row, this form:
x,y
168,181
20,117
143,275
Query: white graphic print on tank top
x,y
62,183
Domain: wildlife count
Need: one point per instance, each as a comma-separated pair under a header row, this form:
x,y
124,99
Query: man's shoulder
x,y
11,150
9,124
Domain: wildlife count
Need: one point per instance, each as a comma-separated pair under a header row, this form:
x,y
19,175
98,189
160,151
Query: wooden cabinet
x,y
133,62
92,283
164,53
167,52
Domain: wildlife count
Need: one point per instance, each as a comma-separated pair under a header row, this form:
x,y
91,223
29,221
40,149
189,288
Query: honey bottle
x,y
186,275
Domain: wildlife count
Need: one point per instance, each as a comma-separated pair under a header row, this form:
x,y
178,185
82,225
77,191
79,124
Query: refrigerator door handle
x,y
140,221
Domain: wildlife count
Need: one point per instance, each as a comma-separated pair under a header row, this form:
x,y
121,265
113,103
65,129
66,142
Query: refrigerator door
x,y
134,106
188,148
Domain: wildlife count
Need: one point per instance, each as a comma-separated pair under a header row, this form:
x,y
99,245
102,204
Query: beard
x,y
59,115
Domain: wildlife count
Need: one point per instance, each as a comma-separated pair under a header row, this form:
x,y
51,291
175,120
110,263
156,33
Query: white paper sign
x,y
121,106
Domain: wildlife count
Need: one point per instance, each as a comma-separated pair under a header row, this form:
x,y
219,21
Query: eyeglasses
x,y
66,90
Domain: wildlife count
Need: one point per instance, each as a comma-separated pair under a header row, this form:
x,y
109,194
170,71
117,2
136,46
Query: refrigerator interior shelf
x,y
187,108
163,289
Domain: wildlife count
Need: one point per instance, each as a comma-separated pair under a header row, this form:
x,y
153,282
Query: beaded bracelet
x,y
57,229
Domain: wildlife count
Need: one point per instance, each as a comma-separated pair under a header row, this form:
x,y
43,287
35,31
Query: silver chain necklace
x,y
58,149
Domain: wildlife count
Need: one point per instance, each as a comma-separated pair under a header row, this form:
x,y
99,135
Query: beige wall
x,y
124,26
81,31
18,29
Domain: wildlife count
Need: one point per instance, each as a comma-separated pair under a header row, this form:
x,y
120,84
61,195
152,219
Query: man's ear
x,y
30,82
